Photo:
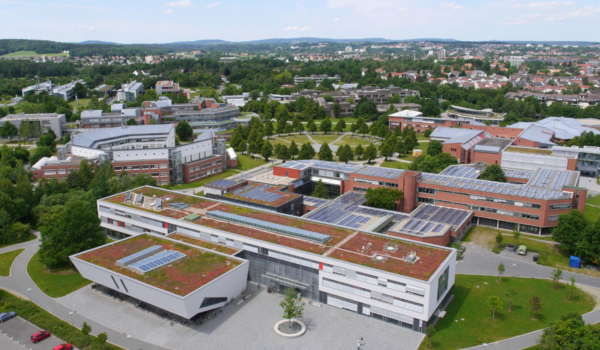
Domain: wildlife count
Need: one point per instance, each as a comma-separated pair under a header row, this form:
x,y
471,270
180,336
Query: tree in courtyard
x,y
131,121
383,197
242,146
293,149
306,151
516,235
325,126
312,128
501,270
266,151
494,303
493,172
292,306
184,130
84,175
434,148
102,338
499,239
535,305
325,152
344,153
339,127
320,190
359,151
370,153
570,332
429,332
9,130
363,129
386,149
511,294
569,231
571,288
556,276
268,129
283,153
85,330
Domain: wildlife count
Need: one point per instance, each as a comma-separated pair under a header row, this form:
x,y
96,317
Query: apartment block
x,y
48,121
167,86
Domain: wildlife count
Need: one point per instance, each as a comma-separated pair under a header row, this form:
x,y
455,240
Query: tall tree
x,y
493,172
386,150
501,270
325,152
320,190
184,130
434,148
556,276
359,151
293,149
494,303
325,126
9,130
306,151
266,150
370,153
383,197
292,306
511,294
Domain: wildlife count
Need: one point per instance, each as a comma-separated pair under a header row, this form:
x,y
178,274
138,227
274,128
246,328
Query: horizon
x,y
166,21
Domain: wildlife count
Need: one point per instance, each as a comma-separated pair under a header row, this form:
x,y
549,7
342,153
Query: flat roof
x,y
262,194
31,116
529,150
88,139
197,268
493,144
420,228
466,171
350,238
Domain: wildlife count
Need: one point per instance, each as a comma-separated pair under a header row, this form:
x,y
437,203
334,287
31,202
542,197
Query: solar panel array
x,y
461,171
494,187
139,255
518,174
315,202
551,179
318,164
434,213
381,213
340,211
223,183
419,227
157,261
259,193
354,221
387,173
286,230
179,205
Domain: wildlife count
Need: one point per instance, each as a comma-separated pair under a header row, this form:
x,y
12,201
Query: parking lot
x,y
15,334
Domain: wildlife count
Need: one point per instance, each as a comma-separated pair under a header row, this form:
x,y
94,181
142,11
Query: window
x,y
553,218
154,166
212,301
145,167
560,206
118,168
426,200
426,190
127,167
154,174
136,167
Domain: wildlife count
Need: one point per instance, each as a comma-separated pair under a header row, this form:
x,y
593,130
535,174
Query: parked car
x,y
5,316
65,346
522,250
510,247
39,336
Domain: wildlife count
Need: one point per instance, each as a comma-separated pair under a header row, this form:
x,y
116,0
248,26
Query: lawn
x,y
325,138
32,54
468,316
395,164
591,213
56,283
82,102
354,141
594,200
245,162
287,140
6,261
422,145
226,173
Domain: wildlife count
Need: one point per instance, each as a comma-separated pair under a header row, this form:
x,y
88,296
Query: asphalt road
x,y
16,333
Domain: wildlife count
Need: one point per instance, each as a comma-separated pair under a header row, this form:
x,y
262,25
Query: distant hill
x,y
197,42
97,42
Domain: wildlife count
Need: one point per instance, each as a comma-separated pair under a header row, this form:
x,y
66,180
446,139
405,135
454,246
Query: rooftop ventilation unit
x,y
128,197
140,199
412,257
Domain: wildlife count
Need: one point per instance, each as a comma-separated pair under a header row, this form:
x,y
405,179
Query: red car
x,y
66,346
39,336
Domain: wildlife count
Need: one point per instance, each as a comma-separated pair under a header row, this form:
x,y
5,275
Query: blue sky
x,y
159,21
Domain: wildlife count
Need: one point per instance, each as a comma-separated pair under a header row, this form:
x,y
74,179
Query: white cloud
x,y
525,19
586,11
361,6
168,11
91,28
294,28
451,5
213,4
336,19
182,3
547,5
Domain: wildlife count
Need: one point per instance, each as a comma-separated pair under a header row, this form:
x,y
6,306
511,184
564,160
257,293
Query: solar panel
x,y
140,198
139,255
157,261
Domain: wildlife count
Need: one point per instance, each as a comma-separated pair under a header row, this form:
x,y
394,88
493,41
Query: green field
x,y
6,261
409,157
287,140
245,162
354,141
56,283
469,318
591,213
594,200
324,138
32,54
395,164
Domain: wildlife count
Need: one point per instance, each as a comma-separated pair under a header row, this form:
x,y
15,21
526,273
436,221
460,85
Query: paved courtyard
x,y
248,325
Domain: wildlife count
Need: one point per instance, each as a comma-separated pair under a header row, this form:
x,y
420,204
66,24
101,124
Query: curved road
x,y
19,282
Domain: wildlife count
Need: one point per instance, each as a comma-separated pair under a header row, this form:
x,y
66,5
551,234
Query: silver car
x,y
5,316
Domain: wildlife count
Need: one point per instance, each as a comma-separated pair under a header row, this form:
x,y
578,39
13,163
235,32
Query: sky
x,y
162,21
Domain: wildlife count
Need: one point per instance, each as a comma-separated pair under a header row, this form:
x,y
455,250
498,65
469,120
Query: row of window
x,y
141,167
483,198
203,166
204,174
384,282
402,303
374,182
505,212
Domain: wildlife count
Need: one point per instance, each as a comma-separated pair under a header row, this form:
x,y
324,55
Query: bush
x,y
543,258
47,321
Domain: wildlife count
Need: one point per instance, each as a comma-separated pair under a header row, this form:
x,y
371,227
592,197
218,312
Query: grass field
x,y
287,140
395,164
56,283
245,162
6,261
468,316
353,141
409,157
591,213
594,200
324,138
32,54
82,102
226,173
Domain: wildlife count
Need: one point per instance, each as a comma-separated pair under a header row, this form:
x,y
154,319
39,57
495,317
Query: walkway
x,y
20,283
480,261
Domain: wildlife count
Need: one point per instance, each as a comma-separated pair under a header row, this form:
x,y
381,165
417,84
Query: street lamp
x,y
71,313
129,339
29,290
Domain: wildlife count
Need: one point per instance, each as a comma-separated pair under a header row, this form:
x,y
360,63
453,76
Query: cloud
x,y
294,28
182,3
451,5
525,19
336,19
213,5
586,11
361,6
547,5
168,11
91,28
81,26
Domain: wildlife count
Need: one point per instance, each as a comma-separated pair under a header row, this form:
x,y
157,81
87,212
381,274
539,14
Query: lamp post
x,y
71,313
129,339
29,290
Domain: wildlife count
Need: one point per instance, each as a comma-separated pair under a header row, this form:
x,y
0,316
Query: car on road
x,y
39,336
5,316
522,250
65,346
